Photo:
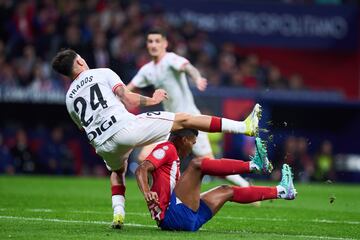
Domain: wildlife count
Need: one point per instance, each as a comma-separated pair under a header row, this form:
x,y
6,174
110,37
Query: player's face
x,y
189,143
156,45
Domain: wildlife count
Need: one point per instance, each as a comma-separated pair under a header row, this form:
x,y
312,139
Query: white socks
x,y
281,191
118,204
237,180
231,126
253,166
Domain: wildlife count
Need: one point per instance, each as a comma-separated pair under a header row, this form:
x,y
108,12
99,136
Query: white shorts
x,y
147,128
202,146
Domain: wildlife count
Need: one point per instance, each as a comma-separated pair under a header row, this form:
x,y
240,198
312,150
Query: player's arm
x,y
131,99
138,81
142,176
132,87
195,75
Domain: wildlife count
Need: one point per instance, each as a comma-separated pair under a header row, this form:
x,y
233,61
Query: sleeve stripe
x,y
116,86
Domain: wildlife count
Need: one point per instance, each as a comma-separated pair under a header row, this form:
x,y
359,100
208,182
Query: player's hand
x,y
151,197
201,84
159,95
154,210
152,200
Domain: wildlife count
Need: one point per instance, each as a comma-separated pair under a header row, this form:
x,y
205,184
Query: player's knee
x,y
117,177
119,172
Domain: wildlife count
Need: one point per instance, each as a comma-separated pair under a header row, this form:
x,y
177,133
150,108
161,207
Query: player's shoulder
x,y
172,54
146,67
146,70
164,149
103,70
172,57
166,145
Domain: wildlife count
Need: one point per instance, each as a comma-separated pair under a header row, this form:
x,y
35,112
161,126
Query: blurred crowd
x,y
110,33
59,151
307,166
47,150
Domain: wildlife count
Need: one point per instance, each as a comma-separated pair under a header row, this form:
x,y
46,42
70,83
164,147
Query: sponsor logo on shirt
x,y
103,127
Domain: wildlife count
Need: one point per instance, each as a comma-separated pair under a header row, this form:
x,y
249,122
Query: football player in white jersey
x,y
97,101
168,71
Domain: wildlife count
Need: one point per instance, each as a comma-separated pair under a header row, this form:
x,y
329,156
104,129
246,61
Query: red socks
x,y
118,190
224,167
215,124
253,194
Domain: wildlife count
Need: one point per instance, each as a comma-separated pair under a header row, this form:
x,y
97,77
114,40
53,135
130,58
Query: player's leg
x,y
187,190
259,162
188,187
216,197
115,156
118,187
237,180
152,127
145,151
222,167
202,149
215,124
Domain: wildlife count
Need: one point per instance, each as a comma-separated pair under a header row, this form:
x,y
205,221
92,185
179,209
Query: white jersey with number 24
x,y
93,105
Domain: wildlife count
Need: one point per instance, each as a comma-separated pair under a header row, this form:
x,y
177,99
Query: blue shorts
x,y
179,217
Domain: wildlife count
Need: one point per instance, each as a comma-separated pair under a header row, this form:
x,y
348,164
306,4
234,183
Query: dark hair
x,y
157,31
63,62
186,132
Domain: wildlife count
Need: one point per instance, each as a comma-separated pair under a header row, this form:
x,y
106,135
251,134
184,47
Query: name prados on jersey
x,y
81,105
78,86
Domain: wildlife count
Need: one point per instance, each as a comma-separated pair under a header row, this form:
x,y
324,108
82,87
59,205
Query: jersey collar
x,y
156,63
77,75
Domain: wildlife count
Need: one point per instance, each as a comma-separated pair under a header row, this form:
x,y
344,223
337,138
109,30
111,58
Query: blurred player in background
x,y
168,71
97,101
176,202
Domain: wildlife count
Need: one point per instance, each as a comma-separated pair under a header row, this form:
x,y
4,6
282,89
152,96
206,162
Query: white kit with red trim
x,y
169,75
93,105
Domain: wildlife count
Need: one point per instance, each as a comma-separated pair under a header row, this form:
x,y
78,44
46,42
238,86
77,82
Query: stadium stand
x,y
111,34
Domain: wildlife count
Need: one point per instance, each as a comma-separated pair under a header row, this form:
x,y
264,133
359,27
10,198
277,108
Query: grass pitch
x,y
80,208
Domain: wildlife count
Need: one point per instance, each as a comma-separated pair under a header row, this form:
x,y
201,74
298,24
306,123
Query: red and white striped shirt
x,y
166,174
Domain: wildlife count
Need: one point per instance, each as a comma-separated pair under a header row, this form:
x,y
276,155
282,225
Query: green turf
x,y
80,208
